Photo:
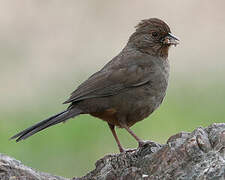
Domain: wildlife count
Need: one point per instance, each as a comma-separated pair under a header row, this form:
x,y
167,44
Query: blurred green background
x,y
47,48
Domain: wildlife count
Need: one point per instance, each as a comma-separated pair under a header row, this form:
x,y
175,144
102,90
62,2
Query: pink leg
x,y
112,128
140,141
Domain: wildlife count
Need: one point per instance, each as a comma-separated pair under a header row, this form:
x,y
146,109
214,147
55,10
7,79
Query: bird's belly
x,y
108,115
129,106
139,103
141,110
132,105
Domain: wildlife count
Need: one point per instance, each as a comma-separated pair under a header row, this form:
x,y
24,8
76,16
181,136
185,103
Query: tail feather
x,y
58,118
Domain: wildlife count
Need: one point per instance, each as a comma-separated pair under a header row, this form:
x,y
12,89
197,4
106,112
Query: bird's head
x,y
153,36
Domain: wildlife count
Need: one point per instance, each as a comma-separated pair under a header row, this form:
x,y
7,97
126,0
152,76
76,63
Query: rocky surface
x,y
196,155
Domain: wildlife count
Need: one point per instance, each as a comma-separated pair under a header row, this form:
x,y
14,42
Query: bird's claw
x,y
143,143
127,150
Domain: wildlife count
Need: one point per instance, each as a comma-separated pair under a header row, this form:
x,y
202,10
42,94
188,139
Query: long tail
x,y
58,118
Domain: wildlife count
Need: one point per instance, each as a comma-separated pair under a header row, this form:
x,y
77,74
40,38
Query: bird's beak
x,y
170,39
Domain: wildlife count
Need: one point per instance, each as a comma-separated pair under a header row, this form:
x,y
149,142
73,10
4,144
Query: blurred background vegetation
x,y
47,48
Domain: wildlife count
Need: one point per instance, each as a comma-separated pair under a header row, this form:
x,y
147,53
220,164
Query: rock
x,y
196,155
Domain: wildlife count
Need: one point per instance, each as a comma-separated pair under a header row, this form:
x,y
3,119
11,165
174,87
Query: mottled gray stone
x,y
199,155
11,169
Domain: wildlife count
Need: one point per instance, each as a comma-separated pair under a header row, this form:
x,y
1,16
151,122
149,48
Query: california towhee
x,y
128,88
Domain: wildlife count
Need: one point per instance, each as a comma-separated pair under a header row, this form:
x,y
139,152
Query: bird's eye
x,y
155,34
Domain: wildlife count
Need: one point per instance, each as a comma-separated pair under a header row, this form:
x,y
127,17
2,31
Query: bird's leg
x,y
140,141
112,128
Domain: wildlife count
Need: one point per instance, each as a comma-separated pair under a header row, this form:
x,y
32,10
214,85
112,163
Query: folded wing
x,y
112,81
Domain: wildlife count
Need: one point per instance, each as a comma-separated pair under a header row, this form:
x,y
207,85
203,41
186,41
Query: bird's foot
x,y
143,143
127,150
140,144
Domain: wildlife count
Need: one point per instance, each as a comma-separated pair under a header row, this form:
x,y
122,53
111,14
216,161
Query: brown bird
x,y
128,88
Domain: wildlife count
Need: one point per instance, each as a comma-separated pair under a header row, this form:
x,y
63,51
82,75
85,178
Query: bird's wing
x,y
112,81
